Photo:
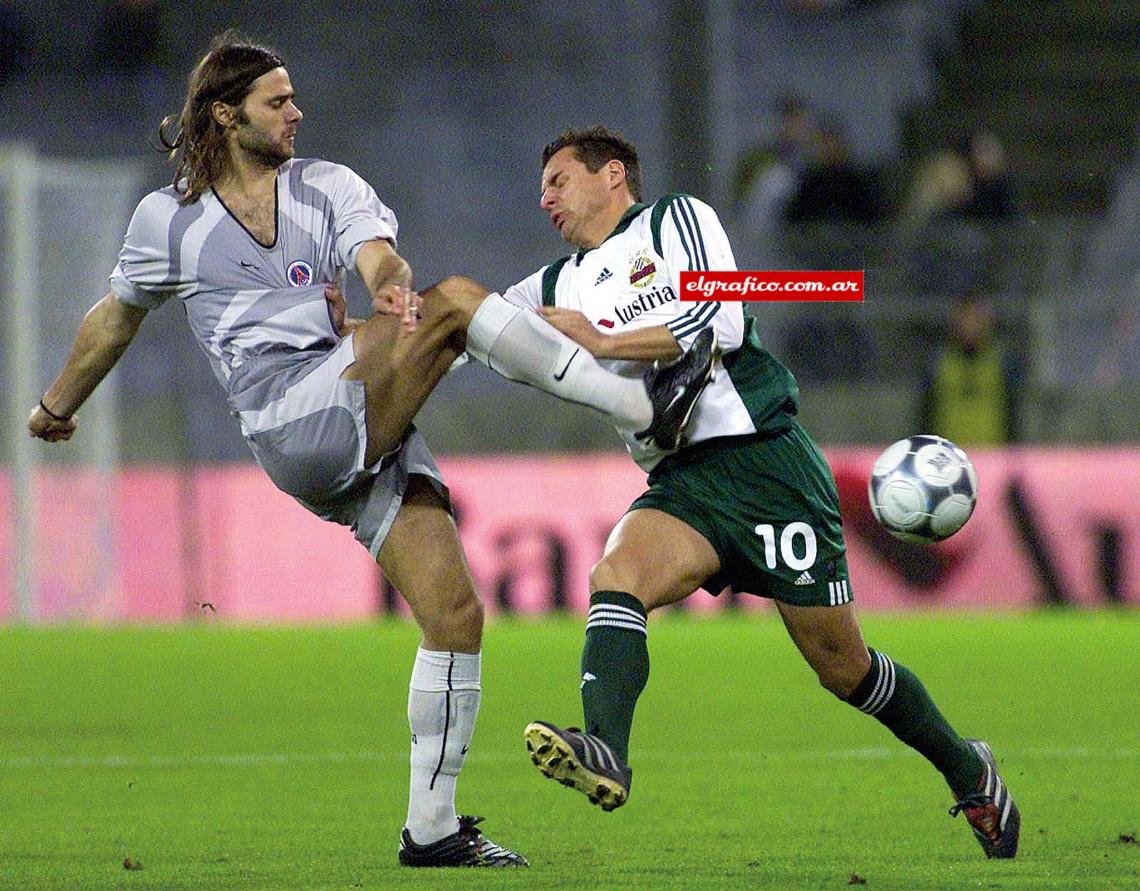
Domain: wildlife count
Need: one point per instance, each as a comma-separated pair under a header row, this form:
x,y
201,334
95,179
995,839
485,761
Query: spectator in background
x,y
992,195
952,191
940,185
833,188
971,393
970,181
769,171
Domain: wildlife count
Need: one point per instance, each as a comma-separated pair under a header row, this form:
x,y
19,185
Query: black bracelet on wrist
x,y
51,414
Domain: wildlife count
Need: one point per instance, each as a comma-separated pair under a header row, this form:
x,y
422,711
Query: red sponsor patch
x,y
605,323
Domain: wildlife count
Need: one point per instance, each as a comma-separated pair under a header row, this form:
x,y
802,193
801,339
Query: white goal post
x,y
63,222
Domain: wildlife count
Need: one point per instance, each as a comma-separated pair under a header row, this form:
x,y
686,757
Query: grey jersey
x,y
260,314
253,306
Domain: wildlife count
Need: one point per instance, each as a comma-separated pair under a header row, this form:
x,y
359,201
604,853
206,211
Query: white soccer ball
x,y
923,489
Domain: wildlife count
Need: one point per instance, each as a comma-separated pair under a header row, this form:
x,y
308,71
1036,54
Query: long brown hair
x,y
225,74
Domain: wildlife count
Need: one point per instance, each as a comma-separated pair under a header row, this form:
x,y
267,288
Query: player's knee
x,y
457,624
468,618
449,305
463,287
457,294
841,673
615,574
833,683
606,576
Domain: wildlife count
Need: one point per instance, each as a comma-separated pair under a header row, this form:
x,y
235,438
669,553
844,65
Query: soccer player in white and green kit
x,y
748,500
248,239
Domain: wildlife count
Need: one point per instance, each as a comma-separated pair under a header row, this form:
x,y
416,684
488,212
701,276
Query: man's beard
x,y
257,144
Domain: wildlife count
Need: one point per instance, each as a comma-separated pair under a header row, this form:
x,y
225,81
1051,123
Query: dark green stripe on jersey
x,y
659,209
550,279
680,207
767,388
695,247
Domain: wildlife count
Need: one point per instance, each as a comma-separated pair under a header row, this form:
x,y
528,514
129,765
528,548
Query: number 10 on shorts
x,y
788,545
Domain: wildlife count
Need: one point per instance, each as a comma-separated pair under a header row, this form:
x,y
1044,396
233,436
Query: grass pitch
x,y
213,757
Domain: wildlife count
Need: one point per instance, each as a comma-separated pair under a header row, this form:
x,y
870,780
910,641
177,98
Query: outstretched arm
x,y
107,330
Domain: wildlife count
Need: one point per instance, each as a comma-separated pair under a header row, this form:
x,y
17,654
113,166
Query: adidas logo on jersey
x,y
604,276
805,579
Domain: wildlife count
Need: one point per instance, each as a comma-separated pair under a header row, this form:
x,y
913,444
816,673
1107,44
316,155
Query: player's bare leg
x,y
422,556
655,557
830,640
400,369
651,559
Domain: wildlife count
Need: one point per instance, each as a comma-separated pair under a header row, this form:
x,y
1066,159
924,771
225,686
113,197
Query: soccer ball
x,y
922,489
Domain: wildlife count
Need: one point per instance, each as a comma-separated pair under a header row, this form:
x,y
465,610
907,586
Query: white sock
x,y
524,347
443,701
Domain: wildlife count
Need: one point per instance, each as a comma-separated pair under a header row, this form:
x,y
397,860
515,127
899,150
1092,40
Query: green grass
x,y
221,758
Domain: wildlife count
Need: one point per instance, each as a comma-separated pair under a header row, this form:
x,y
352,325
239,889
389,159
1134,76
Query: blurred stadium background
x,y
155,507
950,148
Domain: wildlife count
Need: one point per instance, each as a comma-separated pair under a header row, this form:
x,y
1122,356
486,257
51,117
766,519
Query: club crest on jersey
x,y
641,271
299,274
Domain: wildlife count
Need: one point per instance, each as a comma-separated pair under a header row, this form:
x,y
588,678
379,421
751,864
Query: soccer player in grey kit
x,y
247,238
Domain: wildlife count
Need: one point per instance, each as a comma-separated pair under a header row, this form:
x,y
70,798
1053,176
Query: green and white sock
x,y
615,666
893,695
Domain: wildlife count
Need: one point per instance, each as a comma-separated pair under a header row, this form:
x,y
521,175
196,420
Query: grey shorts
x,y
311,439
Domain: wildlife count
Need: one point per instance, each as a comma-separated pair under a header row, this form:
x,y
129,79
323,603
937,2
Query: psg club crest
x,y
299,274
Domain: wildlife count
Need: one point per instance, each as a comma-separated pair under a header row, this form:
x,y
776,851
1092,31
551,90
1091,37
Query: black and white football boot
x,y
581,761
990,809
674,389
467,847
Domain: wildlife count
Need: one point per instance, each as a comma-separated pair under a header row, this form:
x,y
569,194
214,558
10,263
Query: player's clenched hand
x,y
43,426
398,300
577,327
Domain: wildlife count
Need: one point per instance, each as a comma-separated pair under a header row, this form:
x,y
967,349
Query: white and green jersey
x,y
632,281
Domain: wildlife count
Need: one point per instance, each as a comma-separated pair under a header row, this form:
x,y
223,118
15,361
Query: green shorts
x,y
767,504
